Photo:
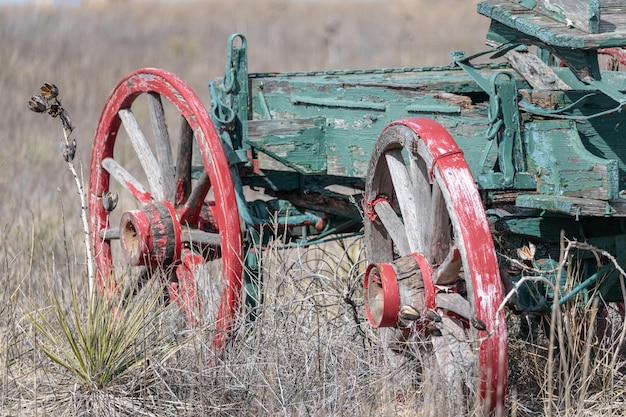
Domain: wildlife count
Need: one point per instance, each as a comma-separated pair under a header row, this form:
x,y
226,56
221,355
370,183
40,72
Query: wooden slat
x,y
258,129
538,74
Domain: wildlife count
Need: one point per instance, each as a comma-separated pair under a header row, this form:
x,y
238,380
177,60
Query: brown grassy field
x,y
306,357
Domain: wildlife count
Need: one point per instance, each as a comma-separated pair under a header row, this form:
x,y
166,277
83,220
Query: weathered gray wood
x,y
163,145
405,194
144,153
199,190
394,227
440,243
447,350
125,179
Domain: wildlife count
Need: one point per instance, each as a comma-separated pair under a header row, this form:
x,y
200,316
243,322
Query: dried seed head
x,y
68,150
527,253
55,110
49,90
37,104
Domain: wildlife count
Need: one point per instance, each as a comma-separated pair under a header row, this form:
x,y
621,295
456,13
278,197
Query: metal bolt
x,y
109,201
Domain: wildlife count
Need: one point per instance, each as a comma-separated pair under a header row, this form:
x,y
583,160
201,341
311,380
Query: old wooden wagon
x,y
431,163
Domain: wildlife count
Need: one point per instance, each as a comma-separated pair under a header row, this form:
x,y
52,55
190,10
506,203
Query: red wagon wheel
x,y
421,201
177,216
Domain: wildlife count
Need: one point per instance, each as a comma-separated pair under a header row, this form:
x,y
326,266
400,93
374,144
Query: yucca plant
x,y
98,348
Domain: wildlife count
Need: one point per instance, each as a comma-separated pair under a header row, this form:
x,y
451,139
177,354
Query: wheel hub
x,y
399,288
151,236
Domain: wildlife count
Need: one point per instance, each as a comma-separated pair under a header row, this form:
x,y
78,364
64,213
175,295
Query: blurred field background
x,y
85,50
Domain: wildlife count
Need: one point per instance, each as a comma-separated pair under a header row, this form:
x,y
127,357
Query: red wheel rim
x,y
225,215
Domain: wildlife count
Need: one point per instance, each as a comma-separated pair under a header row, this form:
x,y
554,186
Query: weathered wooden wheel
x,y
177,217
433,268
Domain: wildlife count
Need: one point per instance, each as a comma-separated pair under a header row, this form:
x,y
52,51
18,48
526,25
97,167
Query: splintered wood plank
x,y
538,74
144,153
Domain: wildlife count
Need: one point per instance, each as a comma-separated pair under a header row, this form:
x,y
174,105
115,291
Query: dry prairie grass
x,y
306,355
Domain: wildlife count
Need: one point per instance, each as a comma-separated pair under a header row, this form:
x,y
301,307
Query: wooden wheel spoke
x,y
404,192
201,237
126,180
455,303
163,146
394,227
183,162
441,238
193,205
144,153
455,356
421,189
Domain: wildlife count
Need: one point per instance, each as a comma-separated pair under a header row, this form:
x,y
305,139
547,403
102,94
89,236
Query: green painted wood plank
x,y
612,30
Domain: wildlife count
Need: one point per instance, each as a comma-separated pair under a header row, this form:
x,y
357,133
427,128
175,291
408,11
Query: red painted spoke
x,y
192,206
183,163
126,180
